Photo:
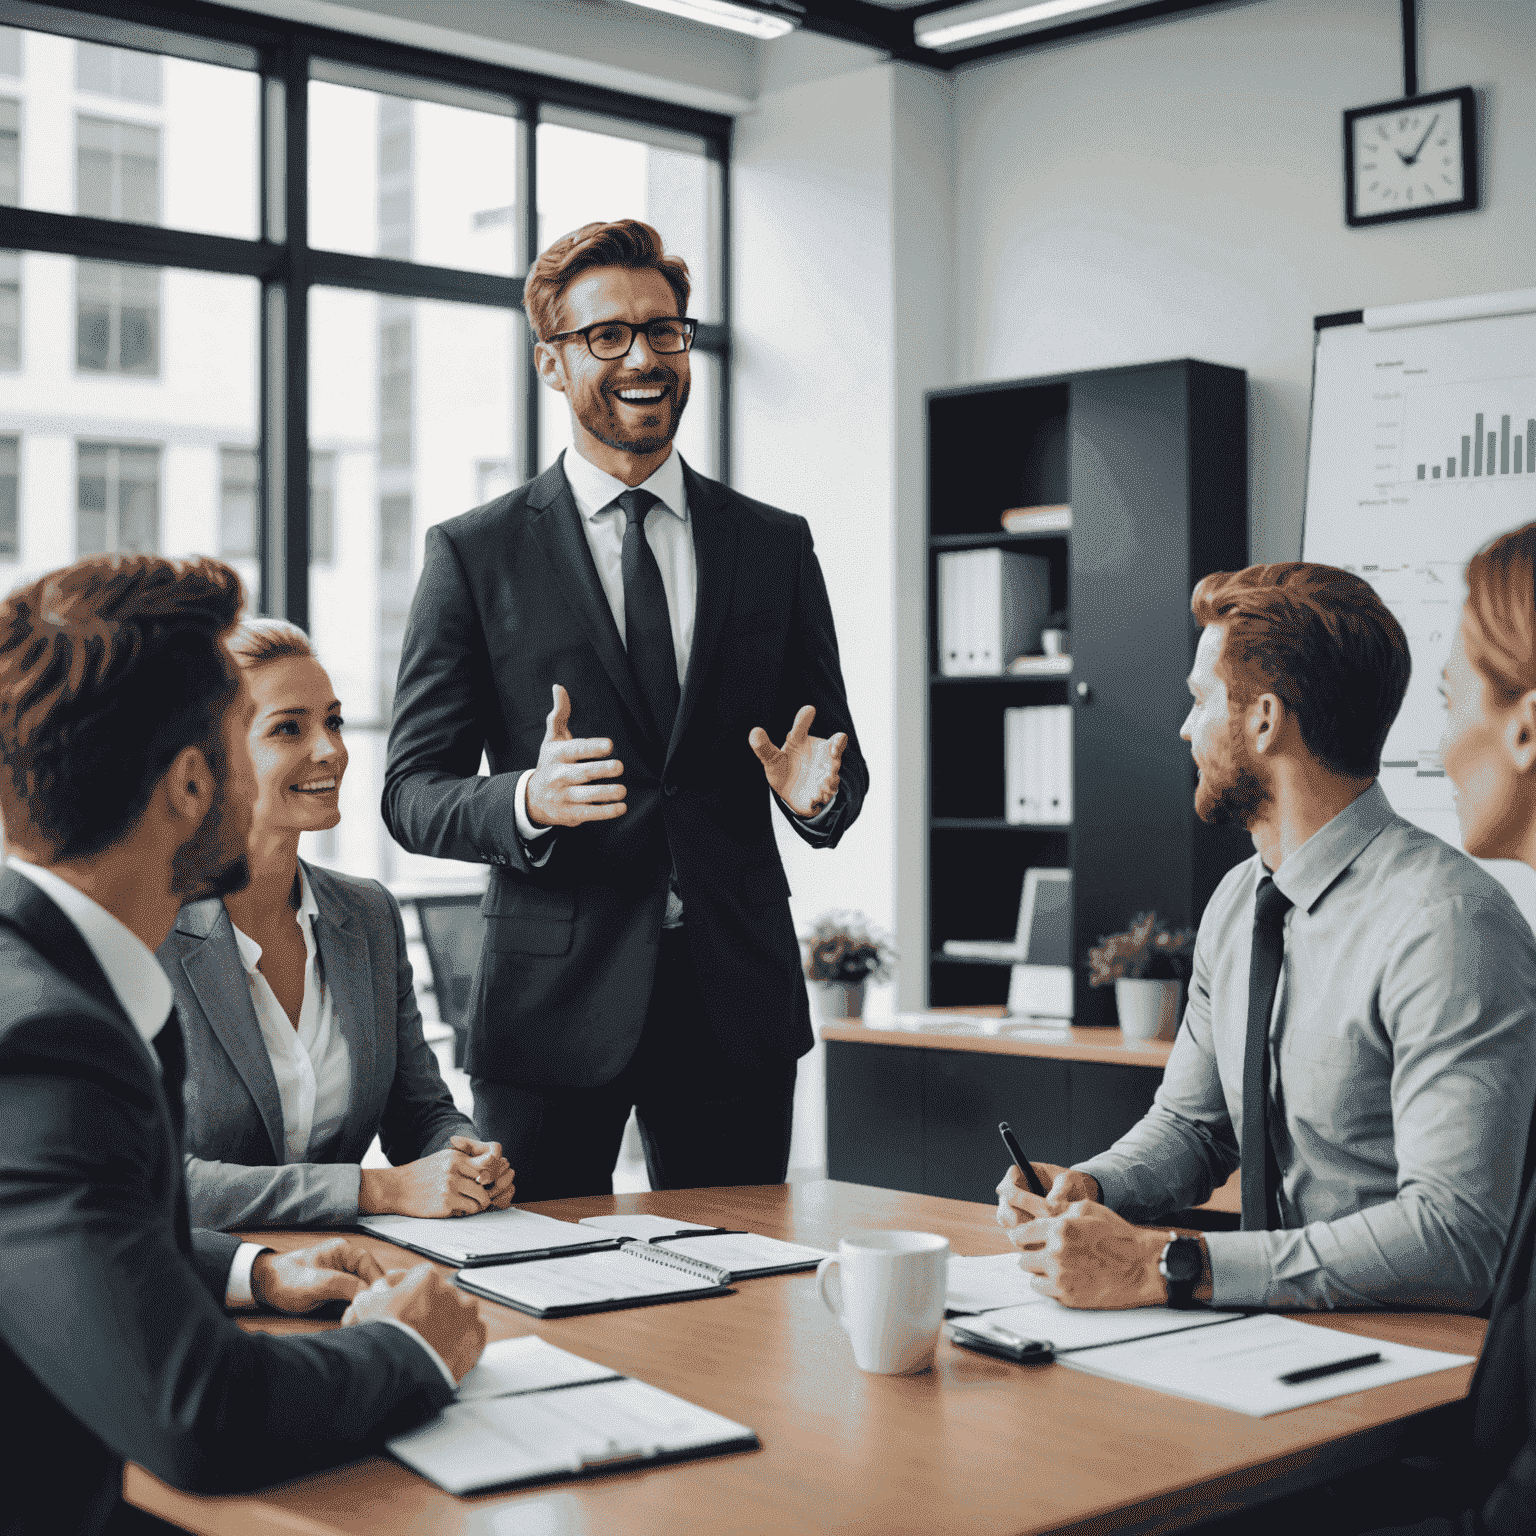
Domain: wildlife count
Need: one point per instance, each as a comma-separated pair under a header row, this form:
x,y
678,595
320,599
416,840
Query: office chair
x,y
452,930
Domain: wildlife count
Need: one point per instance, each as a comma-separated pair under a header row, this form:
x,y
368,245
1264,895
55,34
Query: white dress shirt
x,y
311,1063
144,992
669,532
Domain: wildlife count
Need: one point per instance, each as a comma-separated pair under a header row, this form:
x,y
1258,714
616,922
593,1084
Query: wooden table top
x,y
969,1033
976,1444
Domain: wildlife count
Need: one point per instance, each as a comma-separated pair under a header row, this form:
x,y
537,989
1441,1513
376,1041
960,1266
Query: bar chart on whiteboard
x,y
1423,448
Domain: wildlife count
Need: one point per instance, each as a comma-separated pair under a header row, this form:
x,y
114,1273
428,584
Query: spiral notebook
x,y
635,1274
741,1255
491,1237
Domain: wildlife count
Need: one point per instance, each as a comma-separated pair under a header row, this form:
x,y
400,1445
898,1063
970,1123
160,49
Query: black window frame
x,y
288,268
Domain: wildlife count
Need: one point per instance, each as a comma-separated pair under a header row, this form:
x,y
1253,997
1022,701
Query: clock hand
x,y
1413,158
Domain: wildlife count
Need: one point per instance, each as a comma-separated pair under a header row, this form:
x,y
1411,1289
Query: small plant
x,y
1148,950
842,950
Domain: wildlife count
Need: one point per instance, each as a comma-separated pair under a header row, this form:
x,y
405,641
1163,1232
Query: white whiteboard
x,y
1404,486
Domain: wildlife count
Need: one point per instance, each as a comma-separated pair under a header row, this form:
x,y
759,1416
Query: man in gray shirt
x,y
1387,982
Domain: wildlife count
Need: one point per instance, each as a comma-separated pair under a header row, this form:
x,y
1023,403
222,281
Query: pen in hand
x,y
1016,1152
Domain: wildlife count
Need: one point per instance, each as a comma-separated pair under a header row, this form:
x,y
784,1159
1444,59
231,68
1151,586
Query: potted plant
x,y
1146,963
842,956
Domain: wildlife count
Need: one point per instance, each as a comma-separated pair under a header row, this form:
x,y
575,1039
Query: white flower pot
x,y
1148,1009
836,1003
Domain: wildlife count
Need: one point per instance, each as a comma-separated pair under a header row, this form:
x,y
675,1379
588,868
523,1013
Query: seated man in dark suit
x,y
125,790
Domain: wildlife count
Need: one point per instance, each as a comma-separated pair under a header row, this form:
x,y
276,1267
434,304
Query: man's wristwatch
x,y
1181,1265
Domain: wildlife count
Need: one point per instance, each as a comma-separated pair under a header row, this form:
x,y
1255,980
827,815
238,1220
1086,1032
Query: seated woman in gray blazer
x,y
302,1033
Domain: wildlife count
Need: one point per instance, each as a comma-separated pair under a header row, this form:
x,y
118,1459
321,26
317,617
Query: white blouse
x,y
311,1063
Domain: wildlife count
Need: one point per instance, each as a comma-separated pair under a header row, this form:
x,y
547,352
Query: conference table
x,y
975,1444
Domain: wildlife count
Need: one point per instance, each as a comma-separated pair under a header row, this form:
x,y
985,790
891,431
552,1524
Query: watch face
x,y
1181,1260
1409,158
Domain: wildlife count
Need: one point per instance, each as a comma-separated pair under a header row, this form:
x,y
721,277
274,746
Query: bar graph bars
x,y
1489,451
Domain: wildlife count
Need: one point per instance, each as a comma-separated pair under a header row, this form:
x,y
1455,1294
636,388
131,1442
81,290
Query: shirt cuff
x,y
437,1359
237,1289
525,827
1240,1268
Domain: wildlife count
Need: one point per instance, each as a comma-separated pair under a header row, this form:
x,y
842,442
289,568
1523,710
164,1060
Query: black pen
x,y
1316,1372
1016,1152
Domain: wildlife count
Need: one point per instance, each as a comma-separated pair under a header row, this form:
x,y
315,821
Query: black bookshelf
x,y
1154,463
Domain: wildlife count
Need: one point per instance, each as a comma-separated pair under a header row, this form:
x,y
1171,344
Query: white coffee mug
x,y
890,1289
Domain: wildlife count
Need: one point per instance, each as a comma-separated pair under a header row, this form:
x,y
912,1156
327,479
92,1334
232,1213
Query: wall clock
x,y
1411,159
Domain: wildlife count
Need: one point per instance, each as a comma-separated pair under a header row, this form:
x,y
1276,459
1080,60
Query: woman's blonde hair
x,y
1501,613
259,642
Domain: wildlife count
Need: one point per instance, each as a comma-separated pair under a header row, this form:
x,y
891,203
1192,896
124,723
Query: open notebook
x,y
738,1255
491,1237
531,1413
632,1275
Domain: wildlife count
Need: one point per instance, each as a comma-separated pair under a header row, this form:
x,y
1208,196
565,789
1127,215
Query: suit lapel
x,y
716,531
344,957
556,526
217,978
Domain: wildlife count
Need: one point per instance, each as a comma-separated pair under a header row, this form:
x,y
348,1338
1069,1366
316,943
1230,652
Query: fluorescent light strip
x,y
720,13
1021,18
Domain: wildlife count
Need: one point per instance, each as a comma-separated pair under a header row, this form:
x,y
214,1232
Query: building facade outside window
x,y
117,169
239,504
322,507
10,311
117,325
10,152
119,498
119,72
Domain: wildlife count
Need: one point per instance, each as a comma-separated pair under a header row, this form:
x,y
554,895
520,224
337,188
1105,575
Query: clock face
x,y
1412,157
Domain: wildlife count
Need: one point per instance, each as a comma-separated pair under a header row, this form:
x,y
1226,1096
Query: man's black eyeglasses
x,y
614,338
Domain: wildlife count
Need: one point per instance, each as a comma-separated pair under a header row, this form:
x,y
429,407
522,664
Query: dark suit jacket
x,y
510,603
113,1344
236,1171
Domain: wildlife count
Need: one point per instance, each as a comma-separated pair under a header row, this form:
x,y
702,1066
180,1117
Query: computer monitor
x,y
1041,986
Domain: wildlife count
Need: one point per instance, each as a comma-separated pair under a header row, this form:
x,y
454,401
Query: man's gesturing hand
x,y
804,772
420,1298
1016,1204
565,789
306,1278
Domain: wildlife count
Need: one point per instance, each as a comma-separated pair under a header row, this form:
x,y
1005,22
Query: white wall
x,y
1176,190
840,324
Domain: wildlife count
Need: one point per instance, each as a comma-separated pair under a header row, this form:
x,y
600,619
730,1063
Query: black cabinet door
x,y
965,1094
875,1114
1106,1102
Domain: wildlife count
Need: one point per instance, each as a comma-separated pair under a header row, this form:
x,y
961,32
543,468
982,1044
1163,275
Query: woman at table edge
x,y
1489,748
303,1037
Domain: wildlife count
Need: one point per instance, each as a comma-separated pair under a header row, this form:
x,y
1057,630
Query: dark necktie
x,y
173,1068
647,621
1261,1172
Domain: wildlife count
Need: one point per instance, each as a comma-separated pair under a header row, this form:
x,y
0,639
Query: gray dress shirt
x,y
1402,1075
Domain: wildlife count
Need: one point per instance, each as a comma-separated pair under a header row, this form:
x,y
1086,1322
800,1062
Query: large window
x,y
348,363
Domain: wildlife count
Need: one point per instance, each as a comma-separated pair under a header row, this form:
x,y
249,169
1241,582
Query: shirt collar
x,y
1312,868
142,988
309,910
595,489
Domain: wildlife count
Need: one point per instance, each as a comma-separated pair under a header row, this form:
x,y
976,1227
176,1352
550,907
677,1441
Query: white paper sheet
x,y
511,1366
994,1280
1238,1365
458,1239
643,1227
583,1279
740,1252
521,1439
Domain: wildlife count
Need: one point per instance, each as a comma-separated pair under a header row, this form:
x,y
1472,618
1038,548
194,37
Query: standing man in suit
x,y
639,950
125,789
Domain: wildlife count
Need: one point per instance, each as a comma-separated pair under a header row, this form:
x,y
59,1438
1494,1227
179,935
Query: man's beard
x,y
599,416
213,862
1235,798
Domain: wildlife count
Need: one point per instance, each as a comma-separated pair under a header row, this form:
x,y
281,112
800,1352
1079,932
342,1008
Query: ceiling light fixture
x,y
962,25
766,21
